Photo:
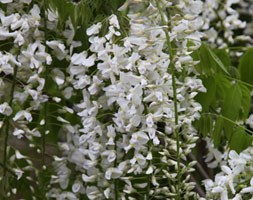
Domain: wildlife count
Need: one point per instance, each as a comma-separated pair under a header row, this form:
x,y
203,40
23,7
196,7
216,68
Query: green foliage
x,y
240,140
216,60
227,100
210,62
207,99
245,101
246,67
65,9
217,132
85,13
231,107
224,58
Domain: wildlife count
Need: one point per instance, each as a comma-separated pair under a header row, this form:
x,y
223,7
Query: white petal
x,y
60,119
217,189
36,133
108,174
57,99
94,29
151,133
5,109
224,195
5,34
28,116
150,170
247,190
19,155
76,187
26,1
52,15
14,190
70,195
114,21
154,182
18,133
19,173
208,183
107,193
149,121
90,61
8,20
140,185
251,181
87,179
74,70
68,109
18,115
42,122
35,12
6,1
58,76
111,157
77,58
56,158
33,93
67,92
226,169
156,141
116,173
149,156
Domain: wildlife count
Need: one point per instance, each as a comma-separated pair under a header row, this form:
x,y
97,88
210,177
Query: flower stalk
x,y
7,128
45,115
172,69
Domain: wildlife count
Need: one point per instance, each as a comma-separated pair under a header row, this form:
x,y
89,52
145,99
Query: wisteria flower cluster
x,y
235,180
27,52
128,107
109,111
222,21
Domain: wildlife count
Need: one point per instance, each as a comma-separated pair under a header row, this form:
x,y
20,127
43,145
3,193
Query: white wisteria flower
x,y
5,109
236,171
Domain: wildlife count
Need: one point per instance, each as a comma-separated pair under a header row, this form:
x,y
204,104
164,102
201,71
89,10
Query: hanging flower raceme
x,y
222,22
114,121
235,180
24,96
128,107
18,64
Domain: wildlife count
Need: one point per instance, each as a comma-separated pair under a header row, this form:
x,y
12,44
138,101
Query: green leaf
x,y
217,60
211,61
65,10
217,133
240,140
246,67
206,99
208,125
234,72
204,125
224,57
246,101
223,85
206,65
231,107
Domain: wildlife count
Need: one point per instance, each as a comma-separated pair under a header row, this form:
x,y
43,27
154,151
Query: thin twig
x,y
8,169
7,127
198,166
198,188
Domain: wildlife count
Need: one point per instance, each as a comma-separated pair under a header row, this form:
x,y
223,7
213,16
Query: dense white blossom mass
x,y
129,134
